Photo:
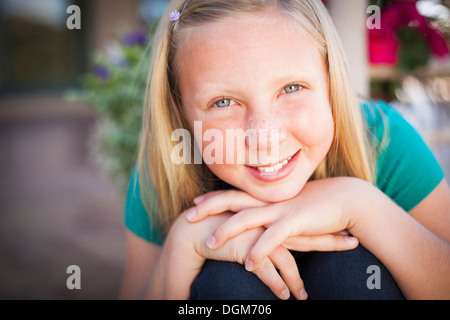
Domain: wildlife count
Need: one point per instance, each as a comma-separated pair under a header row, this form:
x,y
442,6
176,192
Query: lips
x,y
274,168
275,172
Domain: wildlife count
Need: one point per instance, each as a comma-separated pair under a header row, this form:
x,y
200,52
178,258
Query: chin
x,y
268,192
274,198
274,194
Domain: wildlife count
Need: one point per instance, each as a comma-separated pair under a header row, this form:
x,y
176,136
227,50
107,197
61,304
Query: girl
x,y
352,189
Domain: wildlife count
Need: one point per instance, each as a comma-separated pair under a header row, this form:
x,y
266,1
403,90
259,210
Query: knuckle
x,y
287,259
272,235
222,233
212,200
238,256
245,217
202,208
265,266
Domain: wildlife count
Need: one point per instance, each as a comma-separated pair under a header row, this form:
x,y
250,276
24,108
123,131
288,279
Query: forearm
x,y
171,278
176,268
418,260
183,255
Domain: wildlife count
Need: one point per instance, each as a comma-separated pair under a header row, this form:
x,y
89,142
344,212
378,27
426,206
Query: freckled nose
x,y
264,133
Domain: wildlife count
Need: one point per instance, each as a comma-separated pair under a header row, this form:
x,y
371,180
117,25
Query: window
x,y
38,52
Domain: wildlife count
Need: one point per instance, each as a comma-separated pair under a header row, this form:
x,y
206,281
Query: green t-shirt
x,y
407,171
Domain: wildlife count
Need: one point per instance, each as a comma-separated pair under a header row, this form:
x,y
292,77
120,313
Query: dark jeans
x,y
326,275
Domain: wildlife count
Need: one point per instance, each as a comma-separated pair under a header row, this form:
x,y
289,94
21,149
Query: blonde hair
x,y
351,153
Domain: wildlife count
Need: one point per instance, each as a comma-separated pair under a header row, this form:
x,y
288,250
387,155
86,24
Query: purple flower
x,y
135,38
101,72
174,15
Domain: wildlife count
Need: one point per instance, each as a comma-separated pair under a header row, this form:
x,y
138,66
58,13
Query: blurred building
x,y
57,208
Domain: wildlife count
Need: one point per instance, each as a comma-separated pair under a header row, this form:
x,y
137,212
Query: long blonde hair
x,y
175,186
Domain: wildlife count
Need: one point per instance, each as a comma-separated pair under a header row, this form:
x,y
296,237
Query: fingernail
x,y
211,242
351,240
198,199
191,214
285,294
303,294
248,265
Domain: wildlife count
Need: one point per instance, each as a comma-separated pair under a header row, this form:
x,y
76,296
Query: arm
x,y
418,259
434,211
158,272
175,268
167,272
140,260
416,252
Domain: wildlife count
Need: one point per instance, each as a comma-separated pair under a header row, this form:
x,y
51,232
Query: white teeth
x,y
274,168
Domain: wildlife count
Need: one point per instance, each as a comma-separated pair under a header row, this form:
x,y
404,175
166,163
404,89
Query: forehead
x,y
245,47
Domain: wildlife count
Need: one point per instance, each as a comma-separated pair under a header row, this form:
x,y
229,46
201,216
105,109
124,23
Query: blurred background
x,y
70,103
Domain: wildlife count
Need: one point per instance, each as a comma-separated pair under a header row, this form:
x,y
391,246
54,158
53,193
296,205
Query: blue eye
x,y
222,103
292,88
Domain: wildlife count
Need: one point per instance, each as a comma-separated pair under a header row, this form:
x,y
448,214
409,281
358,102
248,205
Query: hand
x,y
306,222
237,249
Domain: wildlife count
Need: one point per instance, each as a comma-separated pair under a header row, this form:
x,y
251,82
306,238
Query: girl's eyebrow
x,y
210,90
213,89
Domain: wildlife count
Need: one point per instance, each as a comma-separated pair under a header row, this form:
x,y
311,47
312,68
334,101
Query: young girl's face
x,y
259,72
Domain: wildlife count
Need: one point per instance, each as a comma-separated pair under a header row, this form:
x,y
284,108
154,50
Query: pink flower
x,y
383,50
383,43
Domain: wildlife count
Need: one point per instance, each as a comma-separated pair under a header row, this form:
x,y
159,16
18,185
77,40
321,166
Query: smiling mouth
x,y
275,168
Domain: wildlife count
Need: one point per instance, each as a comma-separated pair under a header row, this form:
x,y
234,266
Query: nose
x,y
265,131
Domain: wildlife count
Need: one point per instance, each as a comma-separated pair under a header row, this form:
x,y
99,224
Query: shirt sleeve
x,y
137,219
407,170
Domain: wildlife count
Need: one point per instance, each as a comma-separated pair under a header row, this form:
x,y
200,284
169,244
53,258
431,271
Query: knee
x,y
221,280
353,275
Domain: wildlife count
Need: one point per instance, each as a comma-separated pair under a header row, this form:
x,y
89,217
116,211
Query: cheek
x,y
313,126
216,147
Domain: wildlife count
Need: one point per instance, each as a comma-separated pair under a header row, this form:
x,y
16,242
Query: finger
x,y
244,220
218,202
274,236
328,242
205,196
286,265
267,273
191,214
343,233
